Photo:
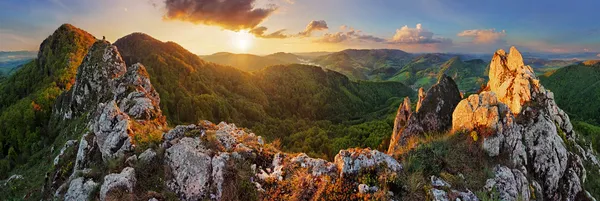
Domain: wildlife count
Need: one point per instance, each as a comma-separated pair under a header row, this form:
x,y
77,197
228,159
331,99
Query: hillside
x,y
280,101
577,90
423,71
28,95
246,62
365,64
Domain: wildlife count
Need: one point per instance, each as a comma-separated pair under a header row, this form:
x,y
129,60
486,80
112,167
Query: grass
x,y
447,156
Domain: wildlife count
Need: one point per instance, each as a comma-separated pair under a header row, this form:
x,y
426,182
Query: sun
x,y
242,40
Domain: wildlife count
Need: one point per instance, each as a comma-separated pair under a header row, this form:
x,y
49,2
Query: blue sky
x,y
477,26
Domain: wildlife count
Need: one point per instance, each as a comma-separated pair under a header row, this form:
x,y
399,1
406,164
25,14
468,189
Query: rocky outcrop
x,y
80,189
353,161
518,118
433,115
118,186
513,82
402,116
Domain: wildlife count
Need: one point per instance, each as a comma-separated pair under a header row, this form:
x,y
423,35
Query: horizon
x,y
263,27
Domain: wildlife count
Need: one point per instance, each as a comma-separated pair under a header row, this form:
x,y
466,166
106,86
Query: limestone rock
x,y
352,161
219,165
510,184
147,156
513,82
317,167
439,195
111,128
121,185
402,116
80,189
190,166
434,115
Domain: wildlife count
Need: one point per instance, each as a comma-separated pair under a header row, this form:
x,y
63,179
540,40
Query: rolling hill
x,y
577,90
250,62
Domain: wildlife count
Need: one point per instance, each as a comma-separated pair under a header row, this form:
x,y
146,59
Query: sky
x,y
269,26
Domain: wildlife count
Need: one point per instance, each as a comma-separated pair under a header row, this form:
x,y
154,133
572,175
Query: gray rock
x,y
438,182
80,189
363,188
179,131
147,156
111,128
123,182
317,167
439,195
352,161
131,161
190,166
434,115
219,166
510,184
68,144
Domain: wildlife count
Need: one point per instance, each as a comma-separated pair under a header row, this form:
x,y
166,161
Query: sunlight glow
x,y
242,40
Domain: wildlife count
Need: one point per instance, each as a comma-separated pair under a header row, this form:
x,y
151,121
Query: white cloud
x,y
598,55
417,35
484,36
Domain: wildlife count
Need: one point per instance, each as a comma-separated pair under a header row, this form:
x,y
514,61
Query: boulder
x,y
111,128
190,166
80,189
119,186
352,161
317,167
147,156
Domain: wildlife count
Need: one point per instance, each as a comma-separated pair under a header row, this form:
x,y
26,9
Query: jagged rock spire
x,y
434,115
513,82
402,116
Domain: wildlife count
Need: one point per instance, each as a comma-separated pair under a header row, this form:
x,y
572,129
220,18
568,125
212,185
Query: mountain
x,y
287,57
29,94
131,126
424,71
577,90
365,64
11,61
245,62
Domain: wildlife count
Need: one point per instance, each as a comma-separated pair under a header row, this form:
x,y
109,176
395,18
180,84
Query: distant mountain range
x,y
9,61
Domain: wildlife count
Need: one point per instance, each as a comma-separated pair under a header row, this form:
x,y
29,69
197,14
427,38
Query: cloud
x,y
313,26
484,36
417,35
260,32
348,33
598,55
229,14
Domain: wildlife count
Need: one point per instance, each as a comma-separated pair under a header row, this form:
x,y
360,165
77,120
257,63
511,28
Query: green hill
x,y
249,62
577,90
29,94
423,71
277,102
377,64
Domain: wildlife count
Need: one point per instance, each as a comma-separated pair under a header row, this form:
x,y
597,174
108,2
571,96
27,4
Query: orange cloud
x,y
229,14
417,35
260,32
484,36
313,26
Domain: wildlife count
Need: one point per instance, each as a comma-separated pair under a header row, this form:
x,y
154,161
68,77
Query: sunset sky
x,y
268,26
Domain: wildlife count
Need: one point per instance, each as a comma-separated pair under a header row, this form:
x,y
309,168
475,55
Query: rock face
x,y
519,118
118,186
513,82
402,116
114,97
433,115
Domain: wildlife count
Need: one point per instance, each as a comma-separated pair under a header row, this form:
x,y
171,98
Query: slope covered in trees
x,y
29,94
277,102
577,90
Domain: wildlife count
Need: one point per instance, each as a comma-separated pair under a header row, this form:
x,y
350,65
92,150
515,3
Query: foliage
x,y
309,109
29,94
577,91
